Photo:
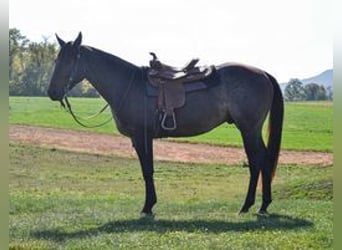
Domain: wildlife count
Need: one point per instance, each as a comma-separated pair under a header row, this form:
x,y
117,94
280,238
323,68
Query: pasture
x,y
66,200
307,126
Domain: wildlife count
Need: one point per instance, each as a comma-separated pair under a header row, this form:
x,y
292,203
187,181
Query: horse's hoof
x,y
242,212
147,216
262,213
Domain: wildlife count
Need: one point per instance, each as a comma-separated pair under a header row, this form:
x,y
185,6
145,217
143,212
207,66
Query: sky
x,y
289,39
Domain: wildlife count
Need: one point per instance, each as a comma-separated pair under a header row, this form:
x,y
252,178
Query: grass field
x,y
65,200
307,126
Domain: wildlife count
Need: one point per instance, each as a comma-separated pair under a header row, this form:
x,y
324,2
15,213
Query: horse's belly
x,y
192,125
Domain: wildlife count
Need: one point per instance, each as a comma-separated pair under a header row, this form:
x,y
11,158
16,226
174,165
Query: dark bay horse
x,y
243,95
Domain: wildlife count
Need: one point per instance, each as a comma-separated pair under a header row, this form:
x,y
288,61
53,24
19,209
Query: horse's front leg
x,y
144,148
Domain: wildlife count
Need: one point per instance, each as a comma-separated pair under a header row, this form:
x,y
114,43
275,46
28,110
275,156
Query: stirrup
x,y
163,125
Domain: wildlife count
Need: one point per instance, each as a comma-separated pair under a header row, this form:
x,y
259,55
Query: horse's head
x,y
67,72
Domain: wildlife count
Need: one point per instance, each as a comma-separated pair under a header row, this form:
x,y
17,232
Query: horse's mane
x,y
110,58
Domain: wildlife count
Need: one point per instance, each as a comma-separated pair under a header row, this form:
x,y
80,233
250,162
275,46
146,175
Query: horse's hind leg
x,y
266,173
256,154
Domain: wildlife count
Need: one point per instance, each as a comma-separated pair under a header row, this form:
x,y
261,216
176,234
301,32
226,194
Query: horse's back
x,y
235,73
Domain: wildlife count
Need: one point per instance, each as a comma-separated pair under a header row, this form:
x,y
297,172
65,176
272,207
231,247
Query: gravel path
x,y
103,144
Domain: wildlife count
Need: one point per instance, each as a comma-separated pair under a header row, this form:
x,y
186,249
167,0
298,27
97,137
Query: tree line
x,y
31,65
295,90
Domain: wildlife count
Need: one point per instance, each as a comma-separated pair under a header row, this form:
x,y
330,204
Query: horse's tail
x,y
275,125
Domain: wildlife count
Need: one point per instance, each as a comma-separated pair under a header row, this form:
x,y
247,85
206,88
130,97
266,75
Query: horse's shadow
x,y
271,222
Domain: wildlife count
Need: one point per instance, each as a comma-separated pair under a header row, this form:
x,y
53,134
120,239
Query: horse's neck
x,y
108,74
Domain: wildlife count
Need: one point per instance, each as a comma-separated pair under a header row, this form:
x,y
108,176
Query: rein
x,y
67,107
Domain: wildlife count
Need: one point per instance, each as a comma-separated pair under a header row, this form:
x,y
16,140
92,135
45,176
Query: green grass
x,y
65,200
307,126
41,111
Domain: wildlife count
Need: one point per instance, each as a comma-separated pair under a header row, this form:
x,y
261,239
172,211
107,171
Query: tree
x,y
330,93
315,92
294,90
40,59
31,65
17,48
84,89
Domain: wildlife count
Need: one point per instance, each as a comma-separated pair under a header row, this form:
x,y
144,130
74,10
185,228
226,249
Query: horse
x,y
242,95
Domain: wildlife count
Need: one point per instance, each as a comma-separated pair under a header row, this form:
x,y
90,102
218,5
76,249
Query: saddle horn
x,y
153,55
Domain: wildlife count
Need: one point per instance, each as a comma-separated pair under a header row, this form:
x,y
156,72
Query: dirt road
x,y
163,150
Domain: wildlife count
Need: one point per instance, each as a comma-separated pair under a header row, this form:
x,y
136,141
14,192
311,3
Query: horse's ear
x,y
78,40
60,41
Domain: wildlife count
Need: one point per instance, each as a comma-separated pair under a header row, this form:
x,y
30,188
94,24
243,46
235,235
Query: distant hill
x,y
325,78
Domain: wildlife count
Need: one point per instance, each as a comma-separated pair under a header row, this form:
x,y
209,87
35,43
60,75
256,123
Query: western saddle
x,y
170,83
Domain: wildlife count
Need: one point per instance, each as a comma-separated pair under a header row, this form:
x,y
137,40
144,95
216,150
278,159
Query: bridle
x,y
67,105
71,83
